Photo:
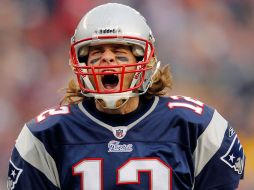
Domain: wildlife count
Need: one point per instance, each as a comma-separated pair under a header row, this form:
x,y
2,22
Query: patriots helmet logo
x,y
234,157
13,176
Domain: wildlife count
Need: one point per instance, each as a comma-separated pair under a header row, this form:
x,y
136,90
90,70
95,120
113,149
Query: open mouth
x,y
110,81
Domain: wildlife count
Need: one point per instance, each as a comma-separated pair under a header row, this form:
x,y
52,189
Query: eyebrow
x,y
94,48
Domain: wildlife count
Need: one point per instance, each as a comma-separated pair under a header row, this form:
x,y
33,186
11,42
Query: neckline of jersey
x,y
129,126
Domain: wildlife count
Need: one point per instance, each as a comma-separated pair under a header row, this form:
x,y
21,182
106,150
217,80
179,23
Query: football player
x,y
115,129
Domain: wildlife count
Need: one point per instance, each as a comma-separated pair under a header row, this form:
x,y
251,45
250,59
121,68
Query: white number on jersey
x,y
53,111
190,103
90,171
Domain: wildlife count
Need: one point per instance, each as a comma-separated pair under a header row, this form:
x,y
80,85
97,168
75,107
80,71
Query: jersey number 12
x,y
91,173
186,102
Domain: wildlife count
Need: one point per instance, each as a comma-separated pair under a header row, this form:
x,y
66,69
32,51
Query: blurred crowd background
x,y
209,45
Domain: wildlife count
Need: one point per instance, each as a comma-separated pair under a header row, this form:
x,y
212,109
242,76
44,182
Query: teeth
x,y
108,71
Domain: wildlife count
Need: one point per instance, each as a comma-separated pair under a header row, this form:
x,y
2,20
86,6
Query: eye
x,y
95,52
121,55
94,60
94,56
122,58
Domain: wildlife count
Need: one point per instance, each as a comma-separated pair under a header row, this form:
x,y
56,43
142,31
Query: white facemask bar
x,y
86,79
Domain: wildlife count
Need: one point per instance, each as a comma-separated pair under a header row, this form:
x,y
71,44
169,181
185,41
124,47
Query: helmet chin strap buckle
x,y
113,101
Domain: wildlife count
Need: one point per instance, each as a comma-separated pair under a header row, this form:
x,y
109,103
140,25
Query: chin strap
x,y
110,100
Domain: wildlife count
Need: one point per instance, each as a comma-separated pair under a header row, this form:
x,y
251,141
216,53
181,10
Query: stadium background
x,y
209,45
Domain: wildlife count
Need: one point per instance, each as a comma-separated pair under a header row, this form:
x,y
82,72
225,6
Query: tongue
x,y
109,86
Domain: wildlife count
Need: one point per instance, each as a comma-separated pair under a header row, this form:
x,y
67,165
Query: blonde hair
x,y
162,81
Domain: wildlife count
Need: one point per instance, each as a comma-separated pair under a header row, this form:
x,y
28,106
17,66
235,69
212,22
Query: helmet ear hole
x,y
139,58
82,59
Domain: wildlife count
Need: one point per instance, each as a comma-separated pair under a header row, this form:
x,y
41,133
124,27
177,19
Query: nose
x,y
108,57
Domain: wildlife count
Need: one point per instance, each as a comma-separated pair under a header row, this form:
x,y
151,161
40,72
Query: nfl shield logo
x,y
119,132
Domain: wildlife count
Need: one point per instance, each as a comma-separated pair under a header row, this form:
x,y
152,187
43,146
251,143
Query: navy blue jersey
x,y
168,143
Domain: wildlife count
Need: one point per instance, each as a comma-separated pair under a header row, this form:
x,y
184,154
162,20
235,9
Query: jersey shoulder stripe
x,y
209,141
33,151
